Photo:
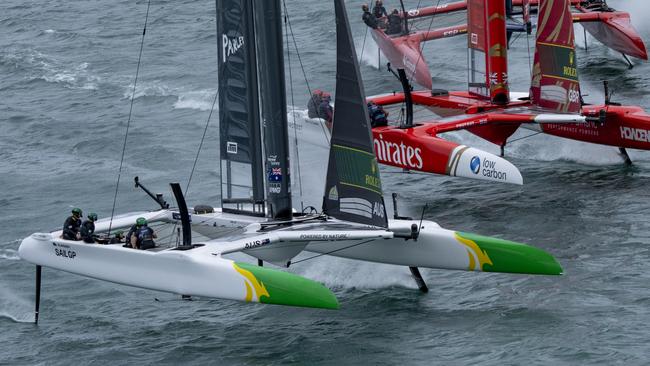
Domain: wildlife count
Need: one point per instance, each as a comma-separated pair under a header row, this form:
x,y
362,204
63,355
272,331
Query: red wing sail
x,y
487,46
555,83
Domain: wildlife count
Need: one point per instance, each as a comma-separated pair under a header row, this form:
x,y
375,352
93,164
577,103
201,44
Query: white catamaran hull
x,y
202,271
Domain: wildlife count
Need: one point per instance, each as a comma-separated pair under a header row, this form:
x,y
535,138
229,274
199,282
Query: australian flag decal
x,y
275,175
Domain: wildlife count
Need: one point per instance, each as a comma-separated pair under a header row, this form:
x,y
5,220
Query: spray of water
x,y
15,307
639,12
370,55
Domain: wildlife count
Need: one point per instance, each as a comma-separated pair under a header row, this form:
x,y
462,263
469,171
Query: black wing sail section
x,y
353,188
242,185
268,23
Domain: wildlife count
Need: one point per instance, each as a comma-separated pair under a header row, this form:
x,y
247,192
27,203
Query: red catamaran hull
x,y
419,149
624,126
614,30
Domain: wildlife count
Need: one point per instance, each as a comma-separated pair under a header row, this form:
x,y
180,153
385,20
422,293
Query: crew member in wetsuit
x,y
325,110
379,11
368,18
394,23
378,116
314,103
132,235
87,230
71,225
145,236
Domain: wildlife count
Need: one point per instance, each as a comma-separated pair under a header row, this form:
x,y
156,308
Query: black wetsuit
x,y
88,231
377,115
394,24
312,105
369,19
325,111
116,240
71,228
145,238
132,230
379,11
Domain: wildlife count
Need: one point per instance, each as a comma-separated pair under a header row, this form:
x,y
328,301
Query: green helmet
x,y
76,211
141,221
92,216
119,233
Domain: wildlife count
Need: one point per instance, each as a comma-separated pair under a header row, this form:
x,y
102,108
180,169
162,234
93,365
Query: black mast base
x,y
422,286
38,293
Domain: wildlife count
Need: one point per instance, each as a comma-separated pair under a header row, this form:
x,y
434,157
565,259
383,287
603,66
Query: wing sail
x,y
555,83
239,130
487,47
353,187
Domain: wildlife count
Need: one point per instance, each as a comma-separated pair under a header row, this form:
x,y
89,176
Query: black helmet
x,y
364,7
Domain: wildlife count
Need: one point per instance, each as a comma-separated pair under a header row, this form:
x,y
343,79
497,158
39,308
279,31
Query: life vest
x,y
377,115
145,238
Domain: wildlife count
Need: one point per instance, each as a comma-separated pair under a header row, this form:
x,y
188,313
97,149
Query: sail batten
x,y
353,186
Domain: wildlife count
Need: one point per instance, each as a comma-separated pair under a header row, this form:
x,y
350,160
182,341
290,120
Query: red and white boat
x,y
489,110
609,26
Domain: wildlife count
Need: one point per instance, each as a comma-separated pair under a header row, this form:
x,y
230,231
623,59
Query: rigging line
x,y
530,68
363,45
424,43
302,67
535,134
207,123
293,103
198,151
333,251
128,123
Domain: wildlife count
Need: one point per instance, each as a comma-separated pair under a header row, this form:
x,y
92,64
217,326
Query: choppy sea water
x,y
66,77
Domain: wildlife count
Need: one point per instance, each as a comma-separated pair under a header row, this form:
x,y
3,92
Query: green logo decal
x,y
357,168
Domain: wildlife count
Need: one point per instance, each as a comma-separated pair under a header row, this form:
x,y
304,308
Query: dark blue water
x,y
66,77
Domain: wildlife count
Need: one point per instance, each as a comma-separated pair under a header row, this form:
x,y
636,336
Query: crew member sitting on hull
x,y
378,116
72,225
314,103
131,236
325,110
87,230
118,238
368,18
394,23
379,11
144,236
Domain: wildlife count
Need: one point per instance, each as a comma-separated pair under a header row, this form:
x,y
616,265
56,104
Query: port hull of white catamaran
x,y
197,271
